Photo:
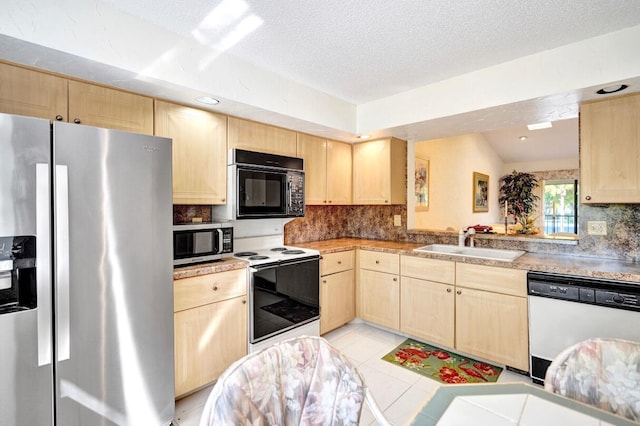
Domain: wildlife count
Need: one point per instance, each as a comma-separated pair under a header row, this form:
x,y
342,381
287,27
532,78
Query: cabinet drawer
x,y
205,289
442,271
490,278
379,261
336,262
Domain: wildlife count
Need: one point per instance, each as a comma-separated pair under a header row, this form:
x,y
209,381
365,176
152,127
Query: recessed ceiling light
x,y
612,89
538,126
523,138
364,136
207,100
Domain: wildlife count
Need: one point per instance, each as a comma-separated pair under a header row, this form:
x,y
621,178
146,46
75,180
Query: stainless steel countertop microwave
x,y
201,242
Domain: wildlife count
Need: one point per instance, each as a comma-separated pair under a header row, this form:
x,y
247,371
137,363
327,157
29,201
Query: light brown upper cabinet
x,y
252,136
327,166
111,108
380,172
199,152
32,93
610,150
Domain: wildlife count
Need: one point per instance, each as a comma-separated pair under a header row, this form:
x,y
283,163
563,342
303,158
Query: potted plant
x,y
517,190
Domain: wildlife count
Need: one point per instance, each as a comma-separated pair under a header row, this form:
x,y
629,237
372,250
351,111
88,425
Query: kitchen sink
x,y
482,253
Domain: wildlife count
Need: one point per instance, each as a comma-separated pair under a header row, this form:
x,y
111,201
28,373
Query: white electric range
x,y
284,294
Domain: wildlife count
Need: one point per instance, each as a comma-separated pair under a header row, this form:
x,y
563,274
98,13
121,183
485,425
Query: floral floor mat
x,y
440,364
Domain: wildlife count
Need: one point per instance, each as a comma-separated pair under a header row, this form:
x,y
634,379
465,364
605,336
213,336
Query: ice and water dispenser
x,y
17,274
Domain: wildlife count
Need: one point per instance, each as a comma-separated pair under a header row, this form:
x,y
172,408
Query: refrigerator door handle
x,y
43,265
61,216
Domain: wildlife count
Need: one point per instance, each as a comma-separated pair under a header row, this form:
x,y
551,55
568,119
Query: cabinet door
x,y
371,171
207,340
314,152
380,172
610,150
337,300
199,152
110,108
493,326
379,295
32,93
260,137
427,310
339,173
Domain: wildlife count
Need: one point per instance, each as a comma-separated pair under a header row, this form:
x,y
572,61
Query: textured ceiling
x,y
414,69
360,51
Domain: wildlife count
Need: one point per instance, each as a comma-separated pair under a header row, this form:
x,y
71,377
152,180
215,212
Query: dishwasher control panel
x,y
614,294
616,299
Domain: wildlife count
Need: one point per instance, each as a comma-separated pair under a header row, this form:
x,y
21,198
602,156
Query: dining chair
x,y
601,372
300,381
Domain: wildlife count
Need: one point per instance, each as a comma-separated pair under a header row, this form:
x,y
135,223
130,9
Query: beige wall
x,y
452,162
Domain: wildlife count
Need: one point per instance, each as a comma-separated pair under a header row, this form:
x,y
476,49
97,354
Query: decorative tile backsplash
x,y
376,222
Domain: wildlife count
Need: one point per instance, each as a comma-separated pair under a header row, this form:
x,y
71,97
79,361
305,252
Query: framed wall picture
x,y
480,193
422,184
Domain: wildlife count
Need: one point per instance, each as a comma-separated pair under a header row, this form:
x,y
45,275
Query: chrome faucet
x,y
463,235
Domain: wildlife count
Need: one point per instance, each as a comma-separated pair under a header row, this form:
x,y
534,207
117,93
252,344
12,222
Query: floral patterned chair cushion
x,y
601,372
301,381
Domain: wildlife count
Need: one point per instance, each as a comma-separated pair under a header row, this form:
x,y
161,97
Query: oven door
x,y
283,296
260,192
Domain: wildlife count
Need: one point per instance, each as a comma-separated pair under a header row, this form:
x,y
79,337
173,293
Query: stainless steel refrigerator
x,y
86,297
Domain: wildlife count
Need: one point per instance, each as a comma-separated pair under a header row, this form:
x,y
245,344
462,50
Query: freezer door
x,y
26,379
113,272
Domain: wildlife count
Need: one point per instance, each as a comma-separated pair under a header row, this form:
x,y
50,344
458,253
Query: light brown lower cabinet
x,y
427,310
479,310
210,326
492,326
337,290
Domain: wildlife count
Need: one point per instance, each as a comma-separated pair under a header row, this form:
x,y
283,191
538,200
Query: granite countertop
x,y
223,265
556,263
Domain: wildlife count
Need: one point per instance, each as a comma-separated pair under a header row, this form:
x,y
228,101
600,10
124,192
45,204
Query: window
x,y
560,206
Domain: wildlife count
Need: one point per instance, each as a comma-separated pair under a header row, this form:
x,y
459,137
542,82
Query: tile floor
x,y
400,393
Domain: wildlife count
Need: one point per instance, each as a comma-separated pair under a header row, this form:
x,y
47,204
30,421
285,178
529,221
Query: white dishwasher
x,y
564,310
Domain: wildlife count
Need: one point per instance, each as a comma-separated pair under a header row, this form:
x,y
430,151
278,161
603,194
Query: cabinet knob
x,y
459,292
448,290
244,302
76,120
588,197
395,279
59,117
324,201
339,262
224,201
324,281
329,201
386,201
377,262
214,288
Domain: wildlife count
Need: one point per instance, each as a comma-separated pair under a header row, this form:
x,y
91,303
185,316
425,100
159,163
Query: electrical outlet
x,y
397,220
597,227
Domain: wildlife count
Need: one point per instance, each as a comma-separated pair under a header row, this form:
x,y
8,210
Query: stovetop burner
x,y
273,254
296,251
245,253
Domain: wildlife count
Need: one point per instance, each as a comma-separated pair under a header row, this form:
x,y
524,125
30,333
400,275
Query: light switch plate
x,y
596,227
397,220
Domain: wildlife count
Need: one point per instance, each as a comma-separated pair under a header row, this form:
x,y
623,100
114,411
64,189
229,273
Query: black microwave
x,y
201,242
262,185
